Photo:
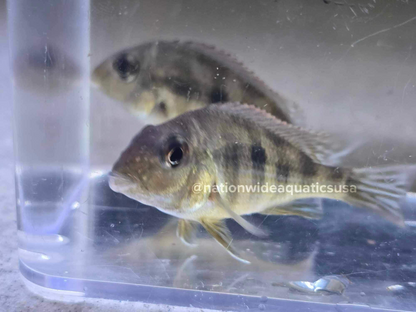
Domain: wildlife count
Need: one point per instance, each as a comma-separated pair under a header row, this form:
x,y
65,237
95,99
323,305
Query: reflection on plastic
x,y
327,285
42,240
405,288
38,257
181,266
45,68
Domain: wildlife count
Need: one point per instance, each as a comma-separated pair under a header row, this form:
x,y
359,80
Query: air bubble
x,y
75,205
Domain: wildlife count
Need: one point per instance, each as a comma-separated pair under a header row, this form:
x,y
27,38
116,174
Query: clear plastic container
x,y
349,65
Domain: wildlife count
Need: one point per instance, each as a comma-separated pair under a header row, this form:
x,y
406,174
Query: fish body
x,y
242,146
163,79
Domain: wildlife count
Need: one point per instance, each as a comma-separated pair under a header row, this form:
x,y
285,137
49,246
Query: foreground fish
x,y
239,145
161,80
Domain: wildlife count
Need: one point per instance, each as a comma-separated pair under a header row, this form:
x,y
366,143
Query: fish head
x,y
158,168
125,77
155,81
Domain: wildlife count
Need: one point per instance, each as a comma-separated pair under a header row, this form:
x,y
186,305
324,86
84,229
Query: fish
x,y
237,145
160,80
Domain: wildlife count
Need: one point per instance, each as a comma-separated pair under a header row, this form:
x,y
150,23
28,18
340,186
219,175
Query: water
x,y
350,68
108,238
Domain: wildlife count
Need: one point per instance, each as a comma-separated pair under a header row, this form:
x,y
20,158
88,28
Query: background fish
x,y
237,145
161,80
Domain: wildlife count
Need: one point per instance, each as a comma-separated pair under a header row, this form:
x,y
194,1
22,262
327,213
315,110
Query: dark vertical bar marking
x,y
258,160
282,172
218,95
231,168
307,167
232,162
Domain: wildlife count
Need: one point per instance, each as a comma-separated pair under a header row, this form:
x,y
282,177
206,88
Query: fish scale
x,y
251,165
257,164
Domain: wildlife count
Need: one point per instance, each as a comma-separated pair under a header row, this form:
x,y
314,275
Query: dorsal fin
x,y
315,145
290,108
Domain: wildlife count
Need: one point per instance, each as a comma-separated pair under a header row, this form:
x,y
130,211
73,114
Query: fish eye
x,y
175,153
163,108
127,67
175,156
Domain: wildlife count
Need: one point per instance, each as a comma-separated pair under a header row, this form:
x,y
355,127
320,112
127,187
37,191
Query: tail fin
x,y
379,189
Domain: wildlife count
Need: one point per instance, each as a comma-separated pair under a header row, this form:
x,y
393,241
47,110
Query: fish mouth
x,y
121,183
118,182
95,79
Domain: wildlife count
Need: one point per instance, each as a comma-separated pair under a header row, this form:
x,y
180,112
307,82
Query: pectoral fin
x,y
239,219
310,208
220,232
186,231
